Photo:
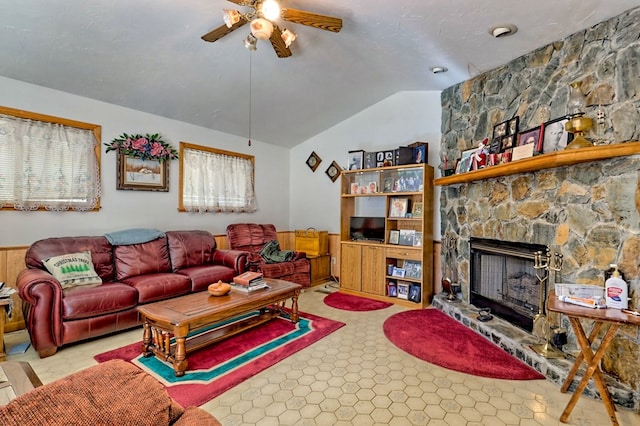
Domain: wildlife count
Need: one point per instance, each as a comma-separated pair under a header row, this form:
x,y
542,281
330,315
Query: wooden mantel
x,y
544,161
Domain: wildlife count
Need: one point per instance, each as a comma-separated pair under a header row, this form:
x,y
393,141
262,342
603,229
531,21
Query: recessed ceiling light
x,y
503,30
439,70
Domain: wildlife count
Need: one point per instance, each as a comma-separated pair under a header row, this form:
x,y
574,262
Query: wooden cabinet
x,y
386,222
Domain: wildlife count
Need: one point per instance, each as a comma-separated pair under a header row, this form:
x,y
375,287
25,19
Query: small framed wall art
x,y
142,175
333,171
313,161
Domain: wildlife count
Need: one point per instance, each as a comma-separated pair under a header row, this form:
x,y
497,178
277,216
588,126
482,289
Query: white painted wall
x,y
401,119
289,195
132,209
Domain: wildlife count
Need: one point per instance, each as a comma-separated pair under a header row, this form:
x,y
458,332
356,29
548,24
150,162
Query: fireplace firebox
x,y
503,278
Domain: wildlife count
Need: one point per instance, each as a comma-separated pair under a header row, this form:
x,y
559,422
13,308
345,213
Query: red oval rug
x,y
435,337
349,302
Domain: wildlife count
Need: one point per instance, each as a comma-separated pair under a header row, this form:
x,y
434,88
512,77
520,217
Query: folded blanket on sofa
x,y
133,236
271,253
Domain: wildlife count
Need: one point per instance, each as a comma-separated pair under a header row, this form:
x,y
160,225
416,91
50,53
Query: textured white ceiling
x,y
148,55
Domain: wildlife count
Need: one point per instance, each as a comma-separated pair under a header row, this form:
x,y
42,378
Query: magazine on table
x,y
251,288
248,278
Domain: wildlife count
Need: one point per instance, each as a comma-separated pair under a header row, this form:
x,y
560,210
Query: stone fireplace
x,y
588,212
503,278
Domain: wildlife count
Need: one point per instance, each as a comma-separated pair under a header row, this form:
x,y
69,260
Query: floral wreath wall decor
x,y
142,162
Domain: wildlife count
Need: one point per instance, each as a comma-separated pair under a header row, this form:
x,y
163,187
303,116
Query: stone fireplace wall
x,y
588,212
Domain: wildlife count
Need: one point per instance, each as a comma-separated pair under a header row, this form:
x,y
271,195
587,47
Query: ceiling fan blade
x,y
324,22
222,31
248,3
278,44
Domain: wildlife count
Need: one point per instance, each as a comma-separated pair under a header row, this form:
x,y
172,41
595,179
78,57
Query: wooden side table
x,y
3,314
608,319
320,268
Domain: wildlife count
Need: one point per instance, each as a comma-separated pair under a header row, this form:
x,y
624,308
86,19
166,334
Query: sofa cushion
x,y
101,253
202,276
140,259
190,248
73,269
250,237
154,287
88,302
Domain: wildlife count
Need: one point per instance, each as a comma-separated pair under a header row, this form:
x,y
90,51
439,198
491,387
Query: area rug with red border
x,y
350,302
435,337
214,369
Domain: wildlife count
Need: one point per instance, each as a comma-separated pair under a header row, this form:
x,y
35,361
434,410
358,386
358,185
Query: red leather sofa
x,y
177,263
251,238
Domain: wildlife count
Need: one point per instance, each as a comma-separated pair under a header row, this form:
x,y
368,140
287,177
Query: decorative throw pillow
x,y
73,269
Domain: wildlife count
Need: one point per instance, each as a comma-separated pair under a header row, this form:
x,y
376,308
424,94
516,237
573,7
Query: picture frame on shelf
x,y
398,207
531,136
406,237
523,151
355,188
313,161
500,130
416,209
333,171
507,143
555,135
369,160
495,145
139,174
417,239
387,185
356,160
392,289
464,164
415,292
413,269
398,272
403,290
372,188
394,236
512,126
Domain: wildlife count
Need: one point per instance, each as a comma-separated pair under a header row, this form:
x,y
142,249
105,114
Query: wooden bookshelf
x,y
544,161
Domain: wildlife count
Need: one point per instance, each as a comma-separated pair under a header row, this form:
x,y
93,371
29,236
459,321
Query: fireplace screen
x,y
504,279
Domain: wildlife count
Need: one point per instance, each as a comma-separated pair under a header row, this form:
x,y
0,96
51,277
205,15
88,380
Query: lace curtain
x,y
47,165
214,182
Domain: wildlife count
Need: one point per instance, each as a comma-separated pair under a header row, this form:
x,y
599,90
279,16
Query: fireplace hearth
x,y
504,279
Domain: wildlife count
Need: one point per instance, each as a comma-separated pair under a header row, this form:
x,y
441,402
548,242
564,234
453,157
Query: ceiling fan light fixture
x,y
288,37
251,42
270,10
231,17
261,28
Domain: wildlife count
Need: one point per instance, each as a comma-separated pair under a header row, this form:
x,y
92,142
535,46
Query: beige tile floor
x,y
355,376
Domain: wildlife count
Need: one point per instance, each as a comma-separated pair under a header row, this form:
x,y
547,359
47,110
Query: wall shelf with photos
x,y
397,198
544,161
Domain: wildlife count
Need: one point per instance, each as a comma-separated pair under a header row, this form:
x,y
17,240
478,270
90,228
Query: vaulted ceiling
x,y
148,55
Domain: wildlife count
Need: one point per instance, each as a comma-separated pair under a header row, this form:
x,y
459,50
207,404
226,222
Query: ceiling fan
x,y
263,27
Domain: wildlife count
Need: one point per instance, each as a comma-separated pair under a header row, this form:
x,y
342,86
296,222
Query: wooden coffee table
x,y
176,318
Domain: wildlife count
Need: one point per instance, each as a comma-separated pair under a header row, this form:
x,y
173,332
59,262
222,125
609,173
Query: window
x,y
48,162
212,180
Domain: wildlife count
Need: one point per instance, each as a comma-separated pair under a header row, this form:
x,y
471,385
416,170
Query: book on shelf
x,y
248,278
250,288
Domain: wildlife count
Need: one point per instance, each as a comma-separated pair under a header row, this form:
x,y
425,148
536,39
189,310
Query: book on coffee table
x,y
250,288
248,278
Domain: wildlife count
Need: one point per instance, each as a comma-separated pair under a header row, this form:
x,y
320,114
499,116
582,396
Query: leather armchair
x,y
251,238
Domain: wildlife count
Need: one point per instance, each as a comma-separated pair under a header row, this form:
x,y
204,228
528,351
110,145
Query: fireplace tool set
x,y
541,327
452,288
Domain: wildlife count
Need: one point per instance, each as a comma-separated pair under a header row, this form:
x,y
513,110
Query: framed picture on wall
x,y
555,136
333,171
313,161
142,175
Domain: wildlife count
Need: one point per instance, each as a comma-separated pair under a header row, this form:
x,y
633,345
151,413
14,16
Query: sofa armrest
x,y
299,255
235,259
41,294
